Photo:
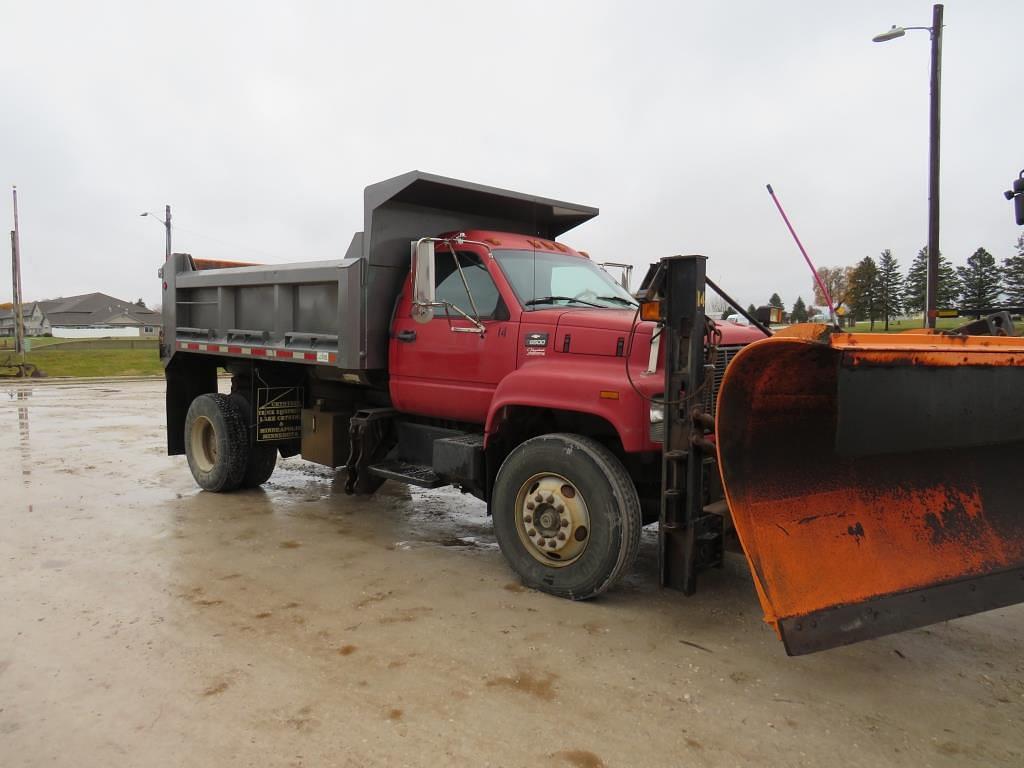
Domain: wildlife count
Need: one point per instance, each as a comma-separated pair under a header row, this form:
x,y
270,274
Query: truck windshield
x,y
541,280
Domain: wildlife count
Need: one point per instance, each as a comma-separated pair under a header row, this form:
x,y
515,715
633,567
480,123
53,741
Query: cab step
x,y
404,472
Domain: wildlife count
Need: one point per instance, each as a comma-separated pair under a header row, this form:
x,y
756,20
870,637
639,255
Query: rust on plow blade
x,y
876,481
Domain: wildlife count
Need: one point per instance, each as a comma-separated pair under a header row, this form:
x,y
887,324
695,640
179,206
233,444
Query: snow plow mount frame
x,y
690,537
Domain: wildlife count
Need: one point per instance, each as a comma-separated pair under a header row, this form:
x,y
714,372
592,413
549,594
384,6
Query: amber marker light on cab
x,y
650,310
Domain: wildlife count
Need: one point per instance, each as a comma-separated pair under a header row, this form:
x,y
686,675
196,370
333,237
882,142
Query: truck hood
x,y
621,321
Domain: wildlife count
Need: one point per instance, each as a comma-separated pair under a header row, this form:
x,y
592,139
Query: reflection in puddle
x,y
22,396
418,517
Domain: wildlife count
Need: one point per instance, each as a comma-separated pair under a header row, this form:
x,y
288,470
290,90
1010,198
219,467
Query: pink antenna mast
x,y
814,271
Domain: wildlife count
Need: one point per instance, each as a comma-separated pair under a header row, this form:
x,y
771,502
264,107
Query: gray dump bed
x,y
338,312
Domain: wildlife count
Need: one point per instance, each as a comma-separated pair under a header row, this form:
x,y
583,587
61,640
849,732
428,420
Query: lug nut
x,y
531,532
561,536
538,498
552,543
565,522
530,505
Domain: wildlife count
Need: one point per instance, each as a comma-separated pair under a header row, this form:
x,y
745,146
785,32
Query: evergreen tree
x,y
752,310
980,281
890,286
1013,276
915,287
864,297
776,301
799,313
949,284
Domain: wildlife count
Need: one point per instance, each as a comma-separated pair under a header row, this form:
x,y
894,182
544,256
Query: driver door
x,y
439,371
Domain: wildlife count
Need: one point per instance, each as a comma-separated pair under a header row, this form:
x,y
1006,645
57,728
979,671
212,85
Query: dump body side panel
x,y
307,313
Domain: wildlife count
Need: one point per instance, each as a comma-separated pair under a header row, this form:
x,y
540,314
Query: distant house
x,y
34,319
89,316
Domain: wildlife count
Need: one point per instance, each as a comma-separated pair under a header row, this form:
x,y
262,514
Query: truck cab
x,y
527,323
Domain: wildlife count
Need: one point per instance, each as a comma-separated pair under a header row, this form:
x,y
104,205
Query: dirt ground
x,y
146,623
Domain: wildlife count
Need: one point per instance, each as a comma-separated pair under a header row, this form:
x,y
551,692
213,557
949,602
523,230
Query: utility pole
x,y
14,289
19,318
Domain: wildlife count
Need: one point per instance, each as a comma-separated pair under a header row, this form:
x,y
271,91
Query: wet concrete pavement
x,y
146,623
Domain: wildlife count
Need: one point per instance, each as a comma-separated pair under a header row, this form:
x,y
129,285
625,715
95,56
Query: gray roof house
x,y
89,315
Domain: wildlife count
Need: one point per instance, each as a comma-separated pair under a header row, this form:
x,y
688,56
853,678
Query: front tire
x,y
216,442
566,515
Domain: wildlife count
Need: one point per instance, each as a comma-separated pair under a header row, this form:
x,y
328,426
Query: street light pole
x,y
167,208
167,226
933,170
931,295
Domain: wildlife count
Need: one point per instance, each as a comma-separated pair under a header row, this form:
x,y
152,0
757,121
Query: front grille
x,y
723,356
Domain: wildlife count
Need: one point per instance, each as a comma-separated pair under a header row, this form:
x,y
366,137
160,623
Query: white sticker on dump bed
x,y
321,357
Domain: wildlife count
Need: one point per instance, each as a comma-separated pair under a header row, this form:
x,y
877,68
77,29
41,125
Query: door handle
x,y
406,336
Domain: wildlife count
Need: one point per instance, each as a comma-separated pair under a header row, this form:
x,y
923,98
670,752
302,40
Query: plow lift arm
x,y
690,527
874,480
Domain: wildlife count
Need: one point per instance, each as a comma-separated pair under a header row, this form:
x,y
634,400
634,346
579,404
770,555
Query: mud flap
x,y
876,481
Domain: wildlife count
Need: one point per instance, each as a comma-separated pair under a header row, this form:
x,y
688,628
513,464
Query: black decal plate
x,y
278,413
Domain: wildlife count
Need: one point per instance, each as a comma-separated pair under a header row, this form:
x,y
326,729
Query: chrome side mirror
x,y
423,280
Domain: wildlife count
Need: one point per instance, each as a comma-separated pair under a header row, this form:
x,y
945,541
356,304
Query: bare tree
x,y
837,281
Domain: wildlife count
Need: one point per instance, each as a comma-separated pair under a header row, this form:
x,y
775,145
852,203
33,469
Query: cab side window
x,y
449,286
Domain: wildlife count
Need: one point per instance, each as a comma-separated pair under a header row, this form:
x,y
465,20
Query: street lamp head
x,y
144,213
891,34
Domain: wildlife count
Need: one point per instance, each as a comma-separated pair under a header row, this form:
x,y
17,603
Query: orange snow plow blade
x,y
876,481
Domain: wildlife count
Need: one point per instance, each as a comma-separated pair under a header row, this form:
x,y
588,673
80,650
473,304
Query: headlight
x,y
656,429
657,413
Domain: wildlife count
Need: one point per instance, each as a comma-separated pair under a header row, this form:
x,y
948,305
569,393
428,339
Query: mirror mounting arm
x,y
423,302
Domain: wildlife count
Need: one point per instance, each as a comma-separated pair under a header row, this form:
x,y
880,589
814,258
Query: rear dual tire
x,y
217,445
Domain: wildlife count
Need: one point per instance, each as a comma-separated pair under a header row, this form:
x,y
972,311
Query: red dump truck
x,y
460,343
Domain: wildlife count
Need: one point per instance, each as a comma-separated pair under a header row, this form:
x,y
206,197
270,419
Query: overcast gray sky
x,y
260,123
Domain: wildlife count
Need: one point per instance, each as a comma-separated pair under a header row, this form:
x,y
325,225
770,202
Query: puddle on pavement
x,y
406,517
421,517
